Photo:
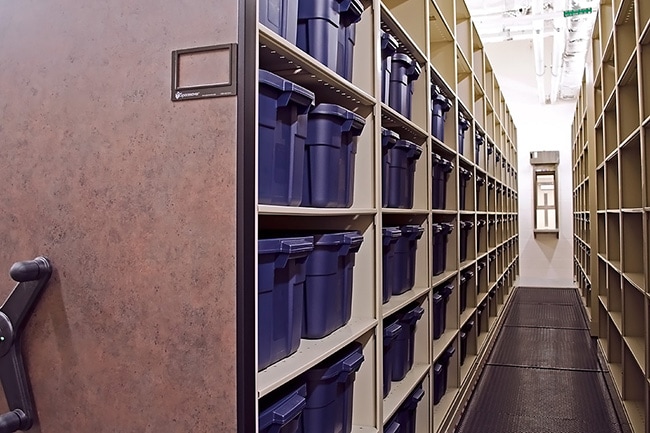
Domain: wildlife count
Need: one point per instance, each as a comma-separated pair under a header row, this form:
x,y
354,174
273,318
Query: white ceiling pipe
x,y
558,50
538,51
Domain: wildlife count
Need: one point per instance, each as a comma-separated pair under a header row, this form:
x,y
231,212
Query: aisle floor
x,y
544,373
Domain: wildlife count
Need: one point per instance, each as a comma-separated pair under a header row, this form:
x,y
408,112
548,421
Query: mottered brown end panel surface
x,y
132,197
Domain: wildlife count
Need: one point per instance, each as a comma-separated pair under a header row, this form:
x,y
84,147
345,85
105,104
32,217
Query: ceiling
x,y
536,32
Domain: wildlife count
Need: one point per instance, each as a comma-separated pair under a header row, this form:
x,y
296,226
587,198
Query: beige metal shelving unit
x,y
612,198
442,38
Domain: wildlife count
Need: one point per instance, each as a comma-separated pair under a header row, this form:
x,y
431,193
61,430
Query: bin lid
x,y
388,138
284,410
467,225
342,238
480,265
391,234
463,335
450,351
412,401
298,246
391,332
393,427
414,151
350,11
468,274
411,316
351,121
437,228
437,368
465,173
468,326
480,223
447,227
463,123
447,165
437,298
291,91
388,44
342,364
403,58
413,231
438,97
480,181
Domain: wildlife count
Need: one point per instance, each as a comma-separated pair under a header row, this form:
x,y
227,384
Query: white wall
x,y
545,261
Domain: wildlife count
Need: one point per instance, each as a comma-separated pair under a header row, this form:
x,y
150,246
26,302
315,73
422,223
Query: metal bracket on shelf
x,y
32,276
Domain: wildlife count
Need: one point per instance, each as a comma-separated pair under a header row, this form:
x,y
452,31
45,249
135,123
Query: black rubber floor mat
x,y
530,295
546,315
525,400
545,348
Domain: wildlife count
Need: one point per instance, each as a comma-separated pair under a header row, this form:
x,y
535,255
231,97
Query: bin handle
x,y
32,276
289,409
352,363
394,428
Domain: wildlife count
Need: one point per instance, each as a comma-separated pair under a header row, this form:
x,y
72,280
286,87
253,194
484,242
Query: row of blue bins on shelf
x,y
304,290
441,233
399,345
441,297
399,257
441,168
399,158
307,152
324,29
319,401
441,373
399,72
405,419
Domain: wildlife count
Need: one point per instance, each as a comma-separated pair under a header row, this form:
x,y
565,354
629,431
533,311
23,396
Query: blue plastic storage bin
x,y
438,304
390,236
388,47
440,174
440,310
480,182
464,283
465,176
282,413
331,146
406,414
401,173
280,16
440,237
465,330
437,382
392,427
405,250
404,71
465,227
318,30
391,332
440,374
282,129
404,344
463,126
322,31
328,283
440,105
479,140
350,15
479,317
479,271
281,287
388,140
330,391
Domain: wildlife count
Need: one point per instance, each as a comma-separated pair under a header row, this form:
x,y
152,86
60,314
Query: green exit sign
x,y
577,12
